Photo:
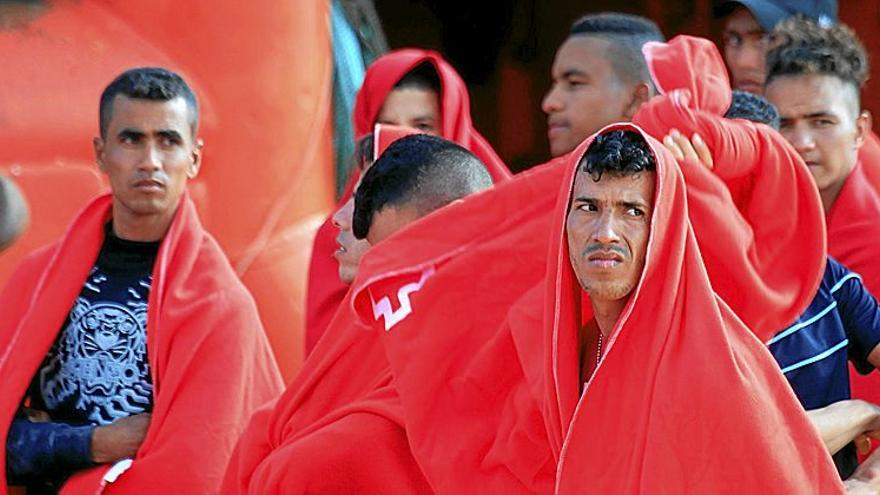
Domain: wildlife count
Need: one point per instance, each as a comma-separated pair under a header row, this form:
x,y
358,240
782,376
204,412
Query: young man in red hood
x,y
522,380
133,355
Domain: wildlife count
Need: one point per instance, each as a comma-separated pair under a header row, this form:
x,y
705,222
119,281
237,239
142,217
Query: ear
x,y
641,93
864,124
196,158
98,145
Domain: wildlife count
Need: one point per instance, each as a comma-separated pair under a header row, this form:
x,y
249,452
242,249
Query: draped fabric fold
x,y
757,215
325,290
489,391
200,319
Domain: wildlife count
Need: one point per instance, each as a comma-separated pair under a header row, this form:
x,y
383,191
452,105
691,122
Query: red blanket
x,y
321,436
853,237
325,290
210,362
757,216
489,391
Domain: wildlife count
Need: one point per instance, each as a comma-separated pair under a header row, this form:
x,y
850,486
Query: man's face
x,y
389,220
819,116
351,249
412,107
148,154
607,228
586,95
745,51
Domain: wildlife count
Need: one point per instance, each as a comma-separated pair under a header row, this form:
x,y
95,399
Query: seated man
x,y
602,376
131,337
321,435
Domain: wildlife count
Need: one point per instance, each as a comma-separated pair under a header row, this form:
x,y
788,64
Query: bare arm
x,y
844,421
120,439
866,479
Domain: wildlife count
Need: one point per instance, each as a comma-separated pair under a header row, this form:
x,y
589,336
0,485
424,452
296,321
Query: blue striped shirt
x,y
841,324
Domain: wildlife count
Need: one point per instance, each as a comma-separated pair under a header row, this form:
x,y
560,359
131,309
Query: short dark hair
x,y
423,76
626,33
617,153
420,170
807,48
148,83
748,106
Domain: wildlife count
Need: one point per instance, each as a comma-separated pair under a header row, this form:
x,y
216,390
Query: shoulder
x,y
838,277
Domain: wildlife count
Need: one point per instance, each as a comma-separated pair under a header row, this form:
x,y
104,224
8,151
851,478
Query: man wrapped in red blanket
x,y
132,356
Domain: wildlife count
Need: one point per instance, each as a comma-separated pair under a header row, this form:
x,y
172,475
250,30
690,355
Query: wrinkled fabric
x,y
210,361
853,237
336,429
756,214
325,290
480,330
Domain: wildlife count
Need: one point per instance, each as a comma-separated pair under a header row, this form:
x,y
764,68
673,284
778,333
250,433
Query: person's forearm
x,y
866,478
37,451
841,422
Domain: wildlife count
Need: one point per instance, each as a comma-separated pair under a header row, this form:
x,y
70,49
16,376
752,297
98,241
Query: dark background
x,y
504,51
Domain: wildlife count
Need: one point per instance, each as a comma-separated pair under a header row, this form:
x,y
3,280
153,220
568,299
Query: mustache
x,y
593,247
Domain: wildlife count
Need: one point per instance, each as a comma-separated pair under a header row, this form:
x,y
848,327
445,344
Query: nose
x,y
151,159
749,57
343,216
552,102
801,139
605,230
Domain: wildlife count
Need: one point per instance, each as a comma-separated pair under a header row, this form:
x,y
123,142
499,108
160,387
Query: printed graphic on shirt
x,y
99,366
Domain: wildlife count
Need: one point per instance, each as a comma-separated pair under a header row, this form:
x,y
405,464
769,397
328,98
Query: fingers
x,y
673,147
702,150
863,444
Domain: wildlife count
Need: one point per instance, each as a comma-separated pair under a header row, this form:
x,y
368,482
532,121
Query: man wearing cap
x,y
745,35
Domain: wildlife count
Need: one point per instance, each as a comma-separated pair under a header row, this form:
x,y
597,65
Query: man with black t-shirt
x,y
131,342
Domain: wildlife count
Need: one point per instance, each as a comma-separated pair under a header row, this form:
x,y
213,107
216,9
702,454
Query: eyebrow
x,y
573,73
752,32
813,115
169,133
130,133
626,204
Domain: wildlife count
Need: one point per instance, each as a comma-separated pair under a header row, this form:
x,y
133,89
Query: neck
x,y
141,228
829,194
607,312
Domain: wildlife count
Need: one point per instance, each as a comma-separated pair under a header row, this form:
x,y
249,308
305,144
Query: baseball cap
x,y
768,13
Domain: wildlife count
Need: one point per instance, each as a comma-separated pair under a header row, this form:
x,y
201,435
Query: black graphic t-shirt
x,y
97,370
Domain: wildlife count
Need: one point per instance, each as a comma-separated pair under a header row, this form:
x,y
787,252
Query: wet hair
x,y
423,76
148,83
748,106
805,47
626,33
618,153
420,170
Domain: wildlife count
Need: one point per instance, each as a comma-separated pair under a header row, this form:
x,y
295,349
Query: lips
x,y
605,259
149,185
555,127
340,248
750,85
